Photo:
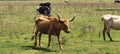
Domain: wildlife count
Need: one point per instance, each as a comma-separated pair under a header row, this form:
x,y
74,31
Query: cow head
x,y
64,25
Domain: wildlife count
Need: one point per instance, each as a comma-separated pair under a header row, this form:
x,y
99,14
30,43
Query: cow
x,y
110,21
44,8
50,26
66,1
117,1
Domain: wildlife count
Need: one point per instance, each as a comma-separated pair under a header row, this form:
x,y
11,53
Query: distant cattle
x,y
66,1
117,1
110,21
50,26
44,8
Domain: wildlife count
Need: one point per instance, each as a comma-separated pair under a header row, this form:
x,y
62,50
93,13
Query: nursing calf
x,y
50,26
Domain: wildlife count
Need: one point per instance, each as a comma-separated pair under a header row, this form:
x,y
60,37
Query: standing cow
x,y
117,1
110,21
50,26
44,8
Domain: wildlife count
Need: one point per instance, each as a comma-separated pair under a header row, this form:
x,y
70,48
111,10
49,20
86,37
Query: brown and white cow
x,y
110,21
50,26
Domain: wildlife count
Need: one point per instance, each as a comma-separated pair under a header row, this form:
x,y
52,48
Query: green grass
x,y
17,20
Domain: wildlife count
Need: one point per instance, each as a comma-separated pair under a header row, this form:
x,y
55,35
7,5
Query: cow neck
x,y
59,28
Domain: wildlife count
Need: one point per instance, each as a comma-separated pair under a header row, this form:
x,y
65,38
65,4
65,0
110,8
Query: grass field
x,y
17,20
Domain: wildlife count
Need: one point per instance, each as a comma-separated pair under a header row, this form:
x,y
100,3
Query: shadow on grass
x,y
100,41
116,41
38,48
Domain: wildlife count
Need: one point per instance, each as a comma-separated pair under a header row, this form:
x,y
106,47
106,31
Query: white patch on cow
x,y
38,7
116,24
112,20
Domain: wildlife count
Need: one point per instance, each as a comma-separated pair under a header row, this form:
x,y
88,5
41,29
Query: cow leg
x,y
59,40
104,30
108,33
40,34
49,40
36,32
60,43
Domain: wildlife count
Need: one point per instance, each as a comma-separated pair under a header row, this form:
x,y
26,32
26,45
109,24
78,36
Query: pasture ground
x,y
17,20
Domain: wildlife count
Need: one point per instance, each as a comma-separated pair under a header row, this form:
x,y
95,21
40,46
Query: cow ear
x,y
61,22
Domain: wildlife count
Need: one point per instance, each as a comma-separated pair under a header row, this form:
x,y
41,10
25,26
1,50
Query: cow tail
x,y
34,29
100,27
33,34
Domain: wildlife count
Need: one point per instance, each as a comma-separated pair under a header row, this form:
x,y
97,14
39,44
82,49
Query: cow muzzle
x,y
68,31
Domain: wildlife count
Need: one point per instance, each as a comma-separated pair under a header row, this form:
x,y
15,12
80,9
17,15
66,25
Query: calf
x,y
50,26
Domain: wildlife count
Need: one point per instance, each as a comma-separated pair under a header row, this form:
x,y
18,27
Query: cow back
x,y
116,23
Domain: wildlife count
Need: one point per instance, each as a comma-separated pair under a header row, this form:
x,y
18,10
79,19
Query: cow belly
x,y
44,32
43,26
44,29
116,25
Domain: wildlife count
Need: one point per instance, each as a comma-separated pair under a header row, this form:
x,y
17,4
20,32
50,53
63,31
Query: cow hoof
x,y
111,40
104,40
48,47
61,48
41,45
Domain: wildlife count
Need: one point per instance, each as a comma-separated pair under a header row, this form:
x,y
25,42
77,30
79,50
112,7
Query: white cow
x,y
110,21
66,1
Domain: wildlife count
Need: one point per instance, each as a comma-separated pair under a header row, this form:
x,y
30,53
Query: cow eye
x,y
65,25
61,22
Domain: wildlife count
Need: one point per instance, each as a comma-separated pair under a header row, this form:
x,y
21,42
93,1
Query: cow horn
x,y
58,17
72,18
